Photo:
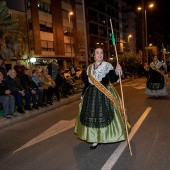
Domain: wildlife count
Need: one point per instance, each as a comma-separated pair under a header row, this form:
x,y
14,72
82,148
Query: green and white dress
x,y
99,119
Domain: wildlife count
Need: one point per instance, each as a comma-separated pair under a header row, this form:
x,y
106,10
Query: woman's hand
x,y
118,69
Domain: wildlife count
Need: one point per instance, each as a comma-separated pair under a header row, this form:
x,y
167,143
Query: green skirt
x,y
114,130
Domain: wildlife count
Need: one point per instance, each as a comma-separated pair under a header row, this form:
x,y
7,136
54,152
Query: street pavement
x,y
47,141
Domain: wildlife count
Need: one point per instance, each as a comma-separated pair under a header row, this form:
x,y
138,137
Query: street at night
x,y
47,141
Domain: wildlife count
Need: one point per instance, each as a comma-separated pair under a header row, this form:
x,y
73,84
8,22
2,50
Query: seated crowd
x,y
28,91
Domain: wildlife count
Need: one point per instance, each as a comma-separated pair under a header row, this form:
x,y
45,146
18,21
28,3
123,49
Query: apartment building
x,y
100,14
54,34
129,27
52,30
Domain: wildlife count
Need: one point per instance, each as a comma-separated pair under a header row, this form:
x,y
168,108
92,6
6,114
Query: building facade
x,y
54,34
129,27
99,16
52,30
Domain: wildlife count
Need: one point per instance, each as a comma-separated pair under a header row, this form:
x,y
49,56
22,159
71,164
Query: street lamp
x,y
145,28
33,60
69,18
129,36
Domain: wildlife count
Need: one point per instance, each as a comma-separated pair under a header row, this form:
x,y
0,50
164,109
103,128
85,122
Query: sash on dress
x,y
104,90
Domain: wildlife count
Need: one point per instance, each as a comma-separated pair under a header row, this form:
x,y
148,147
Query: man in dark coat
x,y
16,89
7,100
29,87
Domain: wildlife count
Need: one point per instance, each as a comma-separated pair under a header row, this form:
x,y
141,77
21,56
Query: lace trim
x,y
99,72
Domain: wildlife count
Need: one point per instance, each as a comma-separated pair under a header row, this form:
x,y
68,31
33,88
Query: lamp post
x,y
69,18
144,29
129,36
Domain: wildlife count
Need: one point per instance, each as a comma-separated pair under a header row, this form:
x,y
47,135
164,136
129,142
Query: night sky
x,y
160,12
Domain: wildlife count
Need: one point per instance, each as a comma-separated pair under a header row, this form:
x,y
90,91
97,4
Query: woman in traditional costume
x,y
100,118
156,84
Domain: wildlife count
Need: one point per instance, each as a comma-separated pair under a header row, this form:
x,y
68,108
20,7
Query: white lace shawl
x,y
157,65
101,71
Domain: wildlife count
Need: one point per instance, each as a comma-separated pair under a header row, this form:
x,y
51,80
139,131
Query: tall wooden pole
x,y
122,96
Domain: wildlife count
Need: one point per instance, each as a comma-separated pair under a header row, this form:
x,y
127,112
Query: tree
x,y
8,28
20,40
78,44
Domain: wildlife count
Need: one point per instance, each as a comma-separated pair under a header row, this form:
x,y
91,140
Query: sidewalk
x,y
28,114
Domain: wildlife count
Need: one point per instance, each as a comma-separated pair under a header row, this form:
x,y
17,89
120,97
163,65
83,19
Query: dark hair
x,y
95,49
33,71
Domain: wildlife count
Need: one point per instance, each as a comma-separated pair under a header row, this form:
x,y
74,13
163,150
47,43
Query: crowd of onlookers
x,y
26,89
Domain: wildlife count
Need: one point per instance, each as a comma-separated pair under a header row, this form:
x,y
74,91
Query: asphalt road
x,y
47,141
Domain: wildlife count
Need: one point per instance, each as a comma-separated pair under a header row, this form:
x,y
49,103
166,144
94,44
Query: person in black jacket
x,y
7,100
29,87
16,89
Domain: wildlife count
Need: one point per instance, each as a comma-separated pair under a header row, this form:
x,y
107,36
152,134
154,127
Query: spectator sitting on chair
x,y
16,89
48,85
7,100
30,92
38,88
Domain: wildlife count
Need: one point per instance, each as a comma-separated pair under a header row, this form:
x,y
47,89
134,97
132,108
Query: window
x,y
92,15
93,29
45,7
68,48
47,45
40,5
102,19
101,6
46,26
103,31
94,41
